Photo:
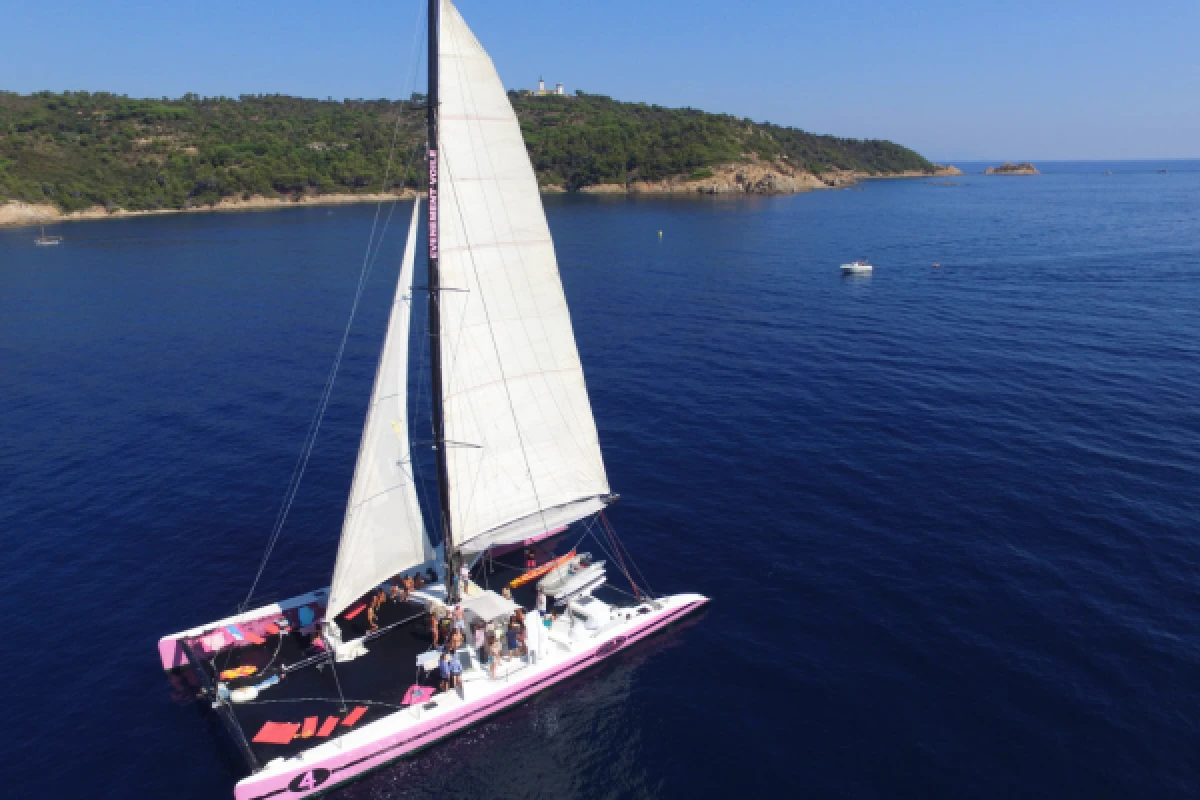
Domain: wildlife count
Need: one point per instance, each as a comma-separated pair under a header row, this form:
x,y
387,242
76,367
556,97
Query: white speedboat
x,y
318,689
857,267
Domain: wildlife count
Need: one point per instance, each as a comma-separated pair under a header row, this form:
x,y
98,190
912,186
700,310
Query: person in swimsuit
x,y
373,610
493,652
434,629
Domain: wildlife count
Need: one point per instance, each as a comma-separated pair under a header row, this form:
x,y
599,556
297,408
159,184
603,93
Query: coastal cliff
x,y
1009,168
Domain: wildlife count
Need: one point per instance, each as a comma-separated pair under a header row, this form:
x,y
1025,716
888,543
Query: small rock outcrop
x,y
1009,168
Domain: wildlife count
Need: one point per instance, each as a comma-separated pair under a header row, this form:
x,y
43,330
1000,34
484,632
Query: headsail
x,y
522,451
383,532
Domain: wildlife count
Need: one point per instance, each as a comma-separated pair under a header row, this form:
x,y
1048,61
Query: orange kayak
x,y
538,572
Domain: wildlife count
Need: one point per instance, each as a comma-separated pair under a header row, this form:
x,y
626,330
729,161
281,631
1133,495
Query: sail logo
x,y
307,781
433,204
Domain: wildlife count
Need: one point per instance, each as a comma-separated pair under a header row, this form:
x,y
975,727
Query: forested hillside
x,y
80,149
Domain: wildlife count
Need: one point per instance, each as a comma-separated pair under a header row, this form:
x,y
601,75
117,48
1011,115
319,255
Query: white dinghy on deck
x,y
518,459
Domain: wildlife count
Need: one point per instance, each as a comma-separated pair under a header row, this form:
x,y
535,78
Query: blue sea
x,y
948,516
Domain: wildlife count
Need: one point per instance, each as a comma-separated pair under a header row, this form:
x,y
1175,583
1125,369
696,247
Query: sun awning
x,y
488,605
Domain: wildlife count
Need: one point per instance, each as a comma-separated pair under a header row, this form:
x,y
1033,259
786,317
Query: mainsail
x,y
522,451
383,532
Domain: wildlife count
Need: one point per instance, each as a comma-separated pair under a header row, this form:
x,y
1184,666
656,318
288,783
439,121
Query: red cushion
x,y
354,716
277,733
328,727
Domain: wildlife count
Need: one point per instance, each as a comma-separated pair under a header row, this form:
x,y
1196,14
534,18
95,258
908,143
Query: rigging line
x,y
500,363
613,531
323,402
468,94
321,700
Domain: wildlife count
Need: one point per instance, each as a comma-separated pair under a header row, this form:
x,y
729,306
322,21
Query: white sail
x,y
383,532
522,449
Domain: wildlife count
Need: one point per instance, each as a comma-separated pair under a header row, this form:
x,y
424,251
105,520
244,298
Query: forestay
x,y
518,423
383,532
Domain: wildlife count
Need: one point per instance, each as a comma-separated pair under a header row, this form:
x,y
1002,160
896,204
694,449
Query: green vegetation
x,y
79,149
589,139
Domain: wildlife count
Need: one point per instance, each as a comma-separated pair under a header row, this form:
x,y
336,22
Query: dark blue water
x,y
948,516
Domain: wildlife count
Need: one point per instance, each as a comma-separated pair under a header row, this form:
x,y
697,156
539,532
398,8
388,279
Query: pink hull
x,y
324,775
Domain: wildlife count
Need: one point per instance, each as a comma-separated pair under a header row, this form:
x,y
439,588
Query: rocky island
x,y
82,155
1009,168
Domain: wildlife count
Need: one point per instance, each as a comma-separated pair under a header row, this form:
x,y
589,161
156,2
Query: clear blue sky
x,y
955,80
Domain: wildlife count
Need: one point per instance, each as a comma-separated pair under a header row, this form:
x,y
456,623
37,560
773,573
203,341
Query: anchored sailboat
x,y
519,470
47,241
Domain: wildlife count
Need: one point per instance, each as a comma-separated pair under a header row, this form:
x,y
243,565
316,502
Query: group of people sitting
x,y
490,644
400,589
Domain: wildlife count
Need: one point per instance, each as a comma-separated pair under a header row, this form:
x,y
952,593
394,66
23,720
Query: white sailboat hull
x,y
564,653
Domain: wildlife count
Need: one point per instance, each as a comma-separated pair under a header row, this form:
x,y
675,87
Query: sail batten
x,y
512,382
383,532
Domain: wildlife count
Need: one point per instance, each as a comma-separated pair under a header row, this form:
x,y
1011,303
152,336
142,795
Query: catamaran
x,y
320,688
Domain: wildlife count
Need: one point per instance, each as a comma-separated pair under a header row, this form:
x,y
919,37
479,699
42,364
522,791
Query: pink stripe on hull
x,y
325,775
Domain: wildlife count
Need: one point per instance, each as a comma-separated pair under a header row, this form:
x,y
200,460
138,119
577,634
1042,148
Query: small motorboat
x,y
857,266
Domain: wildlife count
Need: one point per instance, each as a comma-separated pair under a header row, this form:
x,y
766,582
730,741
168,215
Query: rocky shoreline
x,y
751,177
19,213
1009,168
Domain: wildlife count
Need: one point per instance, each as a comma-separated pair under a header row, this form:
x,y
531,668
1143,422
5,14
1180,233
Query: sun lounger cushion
x,y
417,694
310,727
277,733
328,727
253,638
355,611
354,716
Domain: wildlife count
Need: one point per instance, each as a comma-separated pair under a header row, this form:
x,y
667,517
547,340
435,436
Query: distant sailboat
x,y
518,462
47,241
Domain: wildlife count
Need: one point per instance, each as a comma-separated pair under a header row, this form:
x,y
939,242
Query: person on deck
x,y
434,628
541,602
398,590
451,669
506,593
464,578
373,610
410,585
530,559
492,653
513,636
459,618
418,581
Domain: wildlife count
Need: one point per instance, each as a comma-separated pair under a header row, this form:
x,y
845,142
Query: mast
x,y
435,314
